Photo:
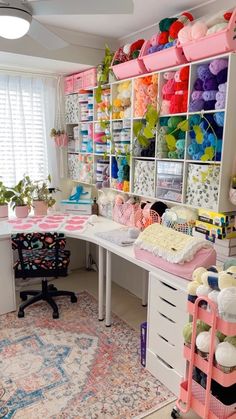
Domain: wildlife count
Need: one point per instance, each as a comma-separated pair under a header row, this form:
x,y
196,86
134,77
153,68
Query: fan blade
x,y
81,7
45,37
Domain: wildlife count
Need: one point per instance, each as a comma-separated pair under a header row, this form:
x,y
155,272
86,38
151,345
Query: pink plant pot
x,y
22,211
4,211
40,208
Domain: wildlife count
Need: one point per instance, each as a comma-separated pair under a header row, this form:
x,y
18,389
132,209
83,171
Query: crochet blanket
x,y
171,245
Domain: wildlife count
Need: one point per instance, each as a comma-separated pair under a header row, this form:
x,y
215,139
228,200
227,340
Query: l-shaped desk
x,y
166,286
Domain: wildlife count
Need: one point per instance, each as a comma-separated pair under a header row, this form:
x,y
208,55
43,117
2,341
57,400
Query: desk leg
x,y
108,289
100,283
87,252
145,289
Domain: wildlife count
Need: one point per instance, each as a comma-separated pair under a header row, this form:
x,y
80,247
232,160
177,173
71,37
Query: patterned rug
x,y
73,367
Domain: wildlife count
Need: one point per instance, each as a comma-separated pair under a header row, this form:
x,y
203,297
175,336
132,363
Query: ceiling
x,y
146,13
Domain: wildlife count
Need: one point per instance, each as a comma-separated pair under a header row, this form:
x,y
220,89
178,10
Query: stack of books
x,y
219,228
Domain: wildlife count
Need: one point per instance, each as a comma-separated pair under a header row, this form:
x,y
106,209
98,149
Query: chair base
x,y
46,294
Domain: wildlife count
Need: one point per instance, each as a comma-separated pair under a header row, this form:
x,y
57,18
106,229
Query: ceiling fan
x,y
17,17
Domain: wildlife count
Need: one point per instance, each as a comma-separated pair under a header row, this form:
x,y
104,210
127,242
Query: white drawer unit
x,y
7,279
166,317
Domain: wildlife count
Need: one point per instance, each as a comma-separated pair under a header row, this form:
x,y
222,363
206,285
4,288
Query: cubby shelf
x,y
220,171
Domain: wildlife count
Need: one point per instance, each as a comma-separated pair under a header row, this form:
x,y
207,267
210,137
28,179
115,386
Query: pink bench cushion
x,y
204,257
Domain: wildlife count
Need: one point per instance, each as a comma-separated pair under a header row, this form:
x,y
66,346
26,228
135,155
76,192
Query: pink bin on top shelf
x,y
78,82
168,57
128,69
214,44
90,78
68,85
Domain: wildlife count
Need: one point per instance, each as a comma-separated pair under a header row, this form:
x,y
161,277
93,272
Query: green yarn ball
x,y
174,121
188,328
166,23
231,339
221,336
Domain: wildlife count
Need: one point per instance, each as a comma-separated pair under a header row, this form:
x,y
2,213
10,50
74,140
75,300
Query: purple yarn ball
x,y
210,84
196,94
198,85
222,76
209,104
203,72
196,105
209,94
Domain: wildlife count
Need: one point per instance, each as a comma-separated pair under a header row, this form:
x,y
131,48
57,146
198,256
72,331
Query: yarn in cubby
x,y
170,138
205,136
145,93
175,91
121,108
210,86
120,174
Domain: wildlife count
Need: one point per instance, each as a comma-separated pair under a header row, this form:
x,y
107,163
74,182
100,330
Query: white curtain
x,y
28,106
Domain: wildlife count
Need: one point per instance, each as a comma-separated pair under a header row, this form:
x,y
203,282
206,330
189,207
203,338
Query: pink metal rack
x,y
193,395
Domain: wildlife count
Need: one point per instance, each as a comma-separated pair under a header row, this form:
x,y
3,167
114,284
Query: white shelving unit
x,y
223,167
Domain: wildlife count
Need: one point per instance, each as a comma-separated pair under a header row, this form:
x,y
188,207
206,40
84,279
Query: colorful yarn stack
x,y
175,91
102,173
206,136
168,32
120,174
145,93
121,108
209,89
103,107
128,52
171,139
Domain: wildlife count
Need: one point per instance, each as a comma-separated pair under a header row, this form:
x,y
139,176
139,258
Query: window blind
x,y
24,108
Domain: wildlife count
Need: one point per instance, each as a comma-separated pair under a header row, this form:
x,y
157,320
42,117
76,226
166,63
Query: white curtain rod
x,y
29,73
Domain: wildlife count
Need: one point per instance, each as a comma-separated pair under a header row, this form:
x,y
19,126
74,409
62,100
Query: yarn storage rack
x,y
192,394
178,191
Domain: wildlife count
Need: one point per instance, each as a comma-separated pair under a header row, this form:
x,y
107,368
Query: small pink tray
x,y
165,58
128,69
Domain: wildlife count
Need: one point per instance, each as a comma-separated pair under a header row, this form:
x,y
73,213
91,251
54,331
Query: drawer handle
x,y
166,340
165,317
168,286
164,362
168,302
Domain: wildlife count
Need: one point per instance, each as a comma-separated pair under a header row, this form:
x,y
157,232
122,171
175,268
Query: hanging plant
x,y
144,130
103,73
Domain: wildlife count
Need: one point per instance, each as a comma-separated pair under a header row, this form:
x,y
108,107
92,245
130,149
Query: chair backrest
x,y
29,241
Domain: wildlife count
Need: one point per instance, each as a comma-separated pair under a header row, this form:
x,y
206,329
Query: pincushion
x,y
226,356
226,304
203,342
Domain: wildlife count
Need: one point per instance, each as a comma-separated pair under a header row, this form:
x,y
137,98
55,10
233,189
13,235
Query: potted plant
x,y
21,197
5,197
42,198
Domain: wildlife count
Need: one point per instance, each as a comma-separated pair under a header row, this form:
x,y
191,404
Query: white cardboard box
x,y
81,207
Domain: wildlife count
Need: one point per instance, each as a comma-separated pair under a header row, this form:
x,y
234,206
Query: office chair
x,y
41,255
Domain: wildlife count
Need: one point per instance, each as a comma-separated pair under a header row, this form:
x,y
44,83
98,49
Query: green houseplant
x,y
103,72
21,199
42,198
5,197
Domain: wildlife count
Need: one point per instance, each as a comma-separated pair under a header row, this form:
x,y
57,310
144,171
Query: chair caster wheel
x,y
73,299
23,297
21,314
175,414
55,315
51,287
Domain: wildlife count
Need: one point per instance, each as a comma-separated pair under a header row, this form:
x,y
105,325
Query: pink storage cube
x,y
128,69
215,44
69,85
90,78
78,82
168,57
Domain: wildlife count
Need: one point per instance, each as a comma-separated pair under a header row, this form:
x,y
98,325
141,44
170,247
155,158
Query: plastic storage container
x,y
166,58
69,85
127,69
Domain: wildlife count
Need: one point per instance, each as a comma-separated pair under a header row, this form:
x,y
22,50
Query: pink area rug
x,y
73,367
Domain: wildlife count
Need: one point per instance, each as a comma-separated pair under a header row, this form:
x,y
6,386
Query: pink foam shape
x,y
23,226
71,227
48,226
79,217
15,221
76,221
55,217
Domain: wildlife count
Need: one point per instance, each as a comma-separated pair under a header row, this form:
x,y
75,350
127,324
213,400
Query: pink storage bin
x,y
215,44
128,69
90,78
168,57
69,85
125,213
78,82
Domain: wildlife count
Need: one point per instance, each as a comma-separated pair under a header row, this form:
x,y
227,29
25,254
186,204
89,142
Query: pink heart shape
x,y
15,221
55,217
71,227
79,217
76,222
23,226
48,226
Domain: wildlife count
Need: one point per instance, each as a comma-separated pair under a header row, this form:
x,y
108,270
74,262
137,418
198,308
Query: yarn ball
x,y
188,330
192,287
166,23
198,85
209,104
219,119
196,105
210,83
199,30
220,336
203,72
202,290
230,339
175,28
226,354
210,279
203,342
209,94
217,65
222,87
133,233
185,34
217,28
184,73
231,269
197,94
197,274
159,207
226,304
213,295
222,76
226,280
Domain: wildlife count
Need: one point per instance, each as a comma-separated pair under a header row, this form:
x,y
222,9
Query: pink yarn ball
x,y
184,35
199,30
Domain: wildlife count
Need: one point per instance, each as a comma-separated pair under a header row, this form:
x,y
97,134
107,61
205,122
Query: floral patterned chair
x,y
41,255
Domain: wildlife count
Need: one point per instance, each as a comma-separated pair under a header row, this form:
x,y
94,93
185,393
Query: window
x,y
27,113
